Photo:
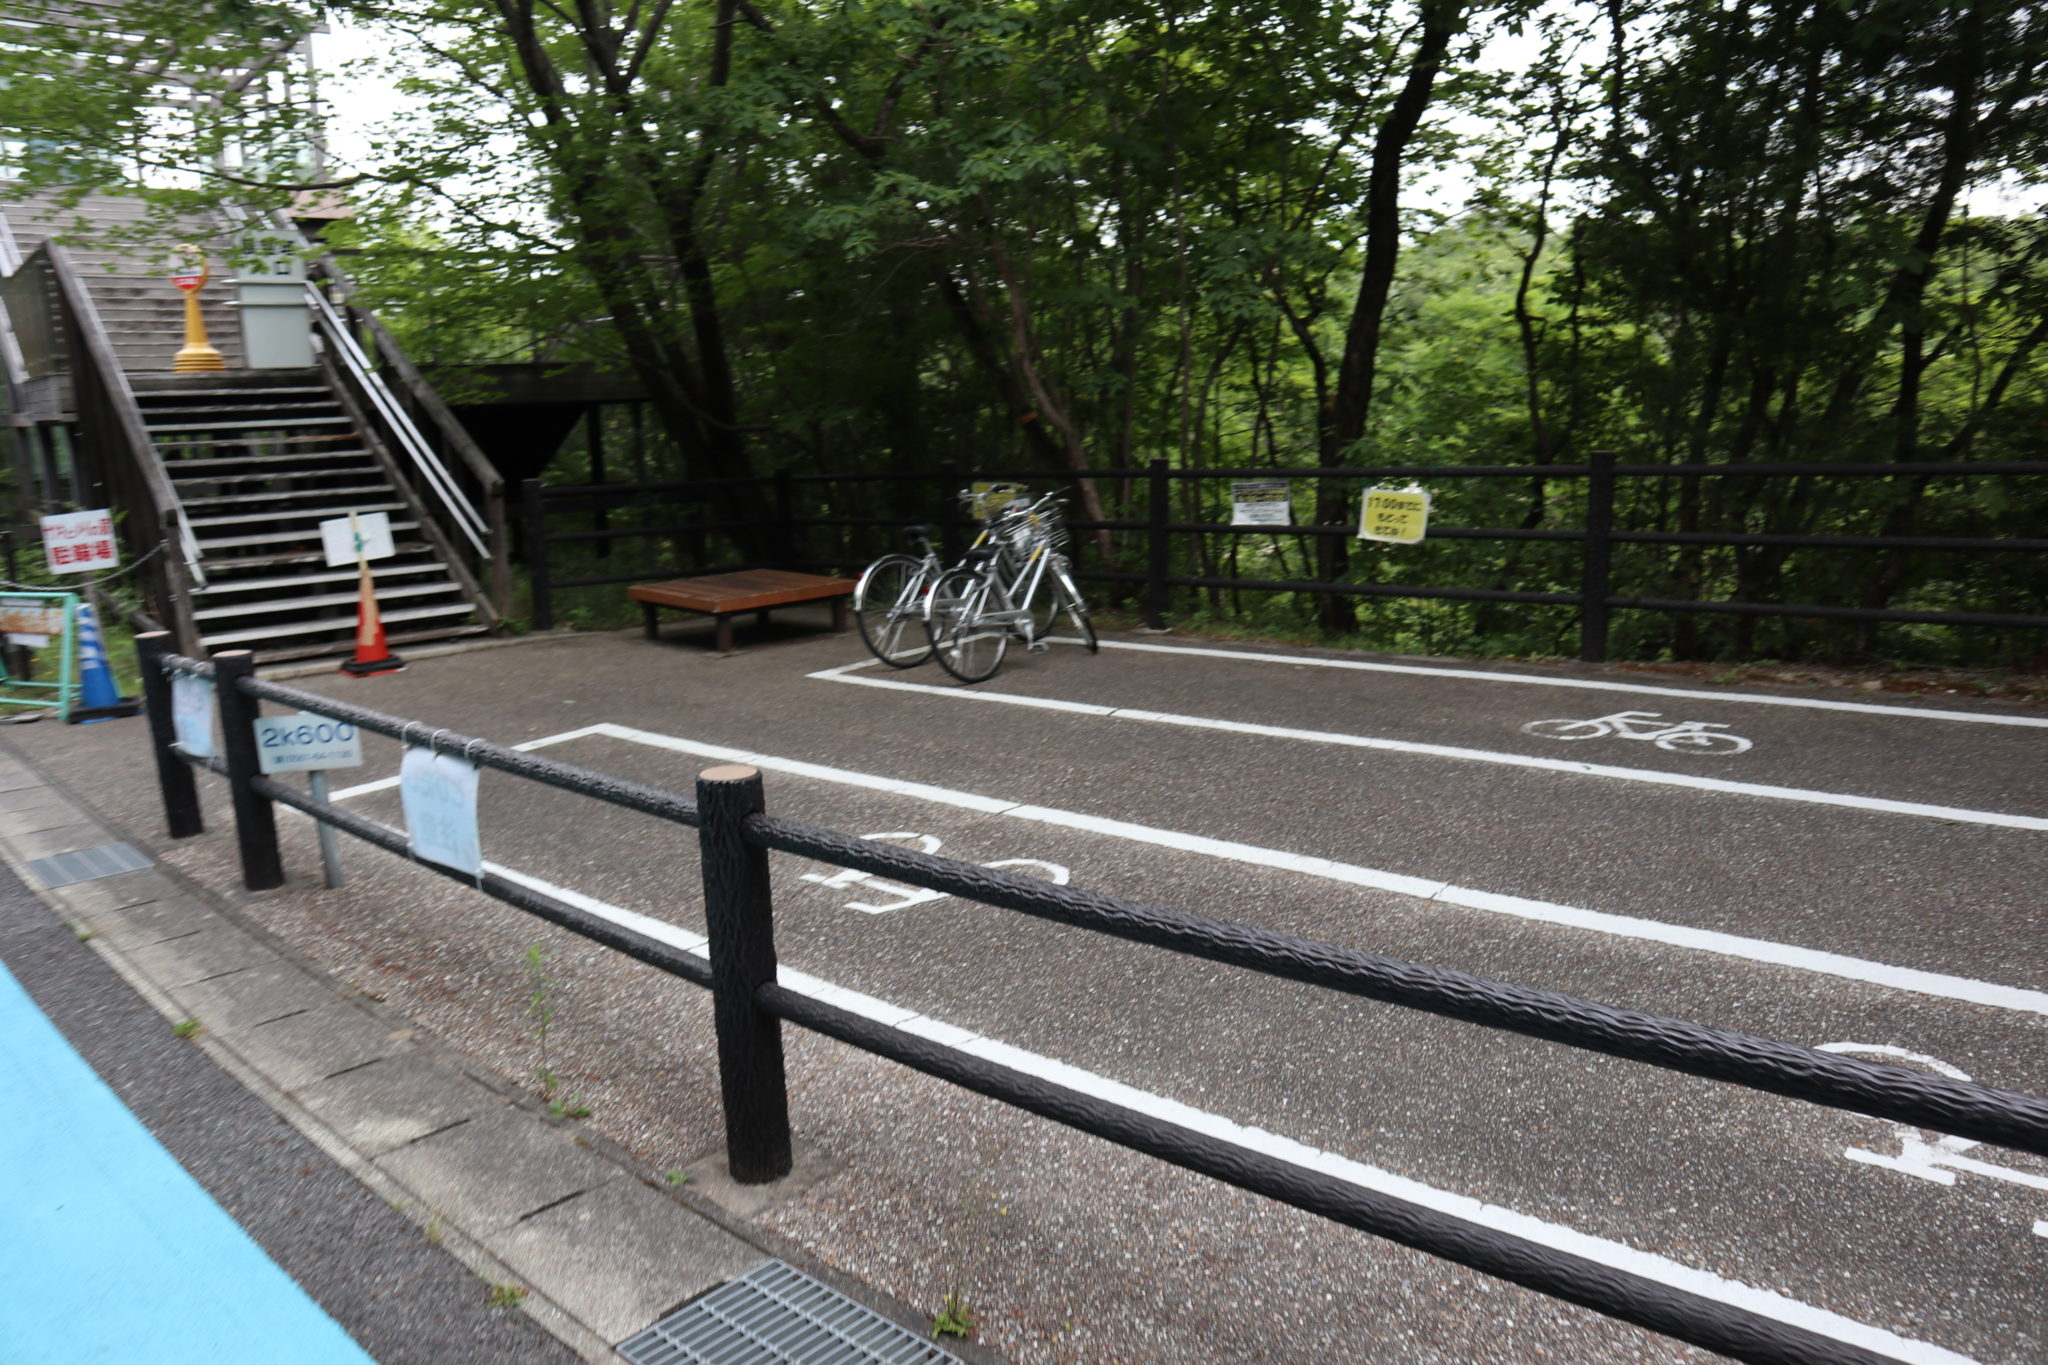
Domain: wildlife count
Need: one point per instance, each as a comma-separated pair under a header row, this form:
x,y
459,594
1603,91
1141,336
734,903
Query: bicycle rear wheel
x,y
964,644
888,607
1077,609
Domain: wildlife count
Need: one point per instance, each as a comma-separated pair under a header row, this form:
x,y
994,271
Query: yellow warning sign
x,y
1399,516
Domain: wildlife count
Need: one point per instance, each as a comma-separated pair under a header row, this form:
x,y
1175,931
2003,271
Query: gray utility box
x,y
277,324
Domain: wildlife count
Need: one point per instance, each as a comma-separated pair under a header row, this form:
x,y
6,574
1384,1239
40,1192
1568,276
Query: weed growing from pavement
x,y
972,1240
85,935
540,1008
506,1295
676,1178
187,1028
955,1319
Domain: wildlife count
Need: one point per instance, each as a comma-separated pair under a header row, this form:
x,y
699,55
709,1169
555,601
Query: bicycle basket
x,y
987,501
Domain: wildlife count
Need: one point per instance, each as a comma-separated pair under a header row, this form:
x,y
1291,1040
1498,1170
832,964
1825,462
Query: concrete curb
x,y
601,1248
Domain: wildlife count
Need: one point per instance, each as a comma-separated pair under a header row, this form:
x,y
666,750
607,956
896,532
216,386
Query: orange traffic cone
x,y
372,654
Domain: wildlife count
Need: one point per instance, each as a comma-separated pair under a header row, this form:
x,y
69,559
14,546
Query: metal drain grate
x,y
775,1315
88,864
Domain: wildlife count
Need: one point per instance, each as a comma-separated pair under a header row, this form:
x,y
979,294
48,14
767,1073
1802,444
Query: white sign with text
x,y
192,714
79,542
367,533
306,743
438,792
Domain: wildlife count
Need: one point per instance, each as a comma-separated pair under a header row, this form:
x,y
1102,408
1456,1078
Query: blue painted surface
x,y
109,1251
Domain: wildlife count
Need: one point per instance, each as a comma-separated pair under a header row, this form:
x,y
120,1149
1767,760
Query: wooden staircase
x,y
259,459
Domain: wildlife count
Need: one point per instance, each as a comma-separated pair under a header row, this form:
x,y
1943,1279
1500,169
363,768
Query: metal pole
x,y
1599,558
330,850
1155,585
739,916
182,814
255,820
537,555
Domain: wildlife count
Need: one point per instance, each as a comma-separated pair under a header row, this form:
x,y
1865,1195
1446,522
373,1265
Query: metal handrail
x,y
467,519
10,345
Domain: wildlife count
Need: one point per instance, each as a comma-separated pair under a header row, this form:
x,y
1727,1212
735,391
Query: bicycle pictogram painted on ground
x,y
1924,1154
908,896
1678,737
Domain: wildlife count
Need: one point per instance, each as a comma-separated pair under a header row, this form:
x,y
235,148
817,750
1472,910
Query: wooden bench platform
x,y
723,595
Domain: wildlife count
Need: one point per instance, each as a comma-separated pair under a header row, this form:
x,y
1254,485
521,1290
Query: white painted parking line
x,y
1600,1250
844,673
1588,684
1937,984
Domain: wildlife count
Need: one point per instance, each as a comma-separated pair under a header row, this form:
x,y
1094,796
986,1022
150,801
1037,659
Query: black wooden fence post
x,y
740,918
785,518
1160,501
537,554
182,815
949,512
255,820
1599,556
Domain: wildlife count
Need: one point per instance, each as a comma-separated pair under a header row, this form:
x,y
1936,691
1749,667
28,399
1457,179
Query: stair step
x,y
333,624
282,538
285,558
299,477
242,499
350,434
381,570
226,408
337,647
326,513
213,395
336,599
254,424
225,463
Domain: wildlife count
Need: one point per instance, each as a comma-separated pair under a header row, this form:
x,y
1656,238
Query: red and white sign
x,y
79,542
188,283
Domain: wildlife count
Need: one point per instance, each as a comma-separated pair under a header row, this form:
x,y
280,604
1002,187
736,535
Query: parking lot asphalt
x,y
1864,875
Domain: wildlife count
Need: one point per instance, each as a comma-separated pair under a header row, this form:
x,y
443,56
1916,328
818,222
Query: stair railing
x,y
116,441
487,531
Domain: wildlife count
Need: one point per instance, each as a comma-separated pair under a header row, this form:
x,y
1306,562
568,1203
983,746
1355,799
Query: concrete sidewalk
x,y
599,1245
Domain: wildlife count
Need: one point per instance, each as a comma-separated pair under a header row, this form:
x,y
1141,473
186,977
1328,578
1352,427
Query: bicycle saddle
x,y
913,532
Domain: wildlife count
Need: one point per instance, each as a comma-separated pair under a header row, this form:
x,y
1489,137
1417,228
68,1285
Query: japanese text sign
x,y
79,542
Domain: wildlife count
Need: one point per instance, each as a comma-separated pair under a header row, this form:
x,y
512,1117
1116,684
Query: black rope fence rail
x,y
1717,1326
738,967
664,956
605,787
2006,1117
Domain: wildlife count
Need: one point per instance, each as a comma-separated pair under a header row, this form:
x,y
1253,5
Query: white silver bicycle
x,y
1678,737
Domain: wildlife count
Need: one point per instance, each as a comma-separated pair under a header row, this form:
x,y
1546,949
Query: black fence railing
x,y
694,541
735,836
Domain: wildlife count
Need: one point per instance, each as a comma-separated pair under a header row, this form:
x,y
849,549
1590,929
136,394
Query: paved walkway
x,y
1858,873
304,1178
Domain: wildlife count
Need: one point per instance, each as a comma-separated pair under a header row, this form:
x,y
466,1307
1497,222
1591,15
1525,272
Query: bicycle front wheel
x,y
1077,610
966,645
888,606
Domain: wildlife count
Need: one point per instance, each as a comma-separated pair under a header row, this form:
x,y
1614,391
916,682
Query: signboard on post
x,y
1398,516
306,743
365,535
79,542
36,618
1261,502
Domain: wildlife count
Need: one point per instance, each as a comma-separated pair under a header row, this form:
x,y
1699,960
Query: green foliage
x,y
885,236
